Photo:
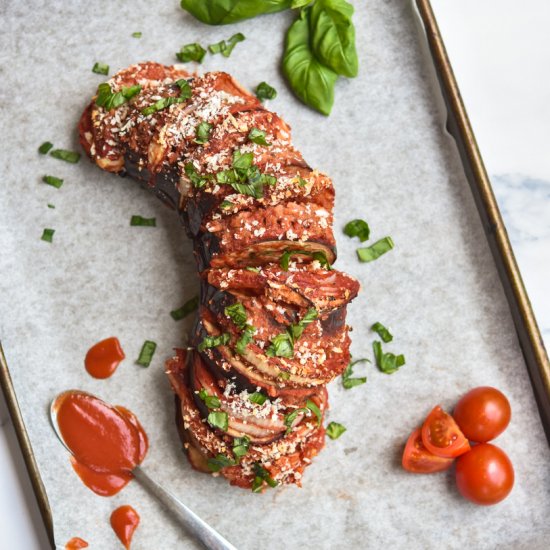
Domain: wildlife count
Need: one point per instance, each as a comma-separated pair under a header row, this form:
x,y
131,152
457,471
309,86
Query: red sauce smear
x,y
124,521
75,543
104,357
107,442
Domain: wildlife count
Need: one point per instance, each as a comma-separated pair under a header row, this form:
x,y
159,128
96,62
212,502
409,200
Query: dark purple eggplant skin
x,y
334,321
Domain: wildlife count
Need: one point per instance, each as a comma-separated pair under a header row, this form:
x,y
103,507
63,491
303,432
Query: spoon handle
x,y
210,538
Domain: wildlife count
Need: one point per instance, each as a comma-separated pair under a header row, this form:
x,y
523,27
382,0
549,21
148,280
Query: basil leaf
x,y
146,353
68,156
225,48
220,461
226,204
203,133
187,308
222,12
315,410
242,161
347,381
240,446
53,181
214,341
145,222
211,401
165,102
318,256
358,228
45,147
388,363
51,205
218,419
295,4
258,398
257,136
196,179
285,259
281,346
333,36
237,314
383,332
376,250
191,52
244,339
100,68
335,430
310,80
47,235
136,34
265,91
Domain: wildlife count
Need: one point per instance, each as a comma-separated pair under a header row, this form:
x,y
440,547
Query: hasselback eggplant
x,y
270,331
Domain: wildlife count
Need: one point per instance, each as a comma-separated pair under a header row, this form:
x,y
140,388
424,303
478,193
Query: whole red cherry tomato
x,y
483,414
485,474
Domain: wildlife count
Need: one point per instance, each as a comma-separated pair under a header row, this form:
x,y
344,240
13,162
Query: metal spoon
x,y
208,536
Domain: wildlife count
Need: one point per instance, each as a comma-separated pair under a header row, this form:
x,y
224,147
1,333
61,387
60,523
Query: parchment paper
x,y
438,289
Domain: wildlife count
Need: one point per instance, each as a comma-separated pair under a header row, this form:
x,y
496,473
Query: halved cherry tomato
x,y
441,435
483,414
485,475
417,459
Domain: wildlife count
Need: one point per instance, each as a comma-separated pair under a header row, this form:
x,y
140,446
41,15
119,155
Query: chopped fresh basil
x,y
383,332
191,52
53,181
203,133
51,205
265,91
283,375
244,339
226,47
45,147
237,314
335,430
100,68
68,156
283,344
187,308
347,381
214,341
219,462
261,475
218,419
388,363
317,256
226,204
139,220
196,179
109,100
257,397
301,181
253,269
315,410
136,34
165,102
240,446
146,353
357,228
47,235
211,401
376,250
257,136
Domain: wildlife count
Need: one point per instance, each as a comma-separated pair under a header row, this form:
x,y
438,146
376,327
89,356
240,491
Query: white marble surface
x,y
503,85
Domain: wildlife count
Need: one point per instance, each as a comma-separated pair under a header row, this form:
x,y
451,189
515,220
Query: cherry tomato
x,y
441,435
417,459
485,475
483,414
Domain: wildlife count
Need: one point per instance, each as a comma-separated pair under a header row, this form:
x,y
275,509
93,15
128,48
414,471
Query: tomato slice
x,y
442,436
417,459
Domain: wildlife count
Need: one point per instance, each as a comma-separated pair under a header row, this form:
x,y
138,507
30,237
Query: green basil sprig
x,y
222,12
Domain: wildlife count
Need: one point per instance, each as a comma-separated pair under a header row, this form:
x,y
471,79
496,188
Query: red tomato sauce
x,y
124,521
106,442
76,543
104,357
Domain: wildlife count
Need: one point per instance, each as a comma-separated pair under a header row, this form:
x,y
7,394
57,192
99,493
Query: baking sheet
x,y
438,289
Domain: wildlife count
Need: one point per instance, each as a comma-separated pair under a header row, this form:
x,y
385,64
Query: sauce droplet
x,y
107,442
104,357
75,543
124,521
